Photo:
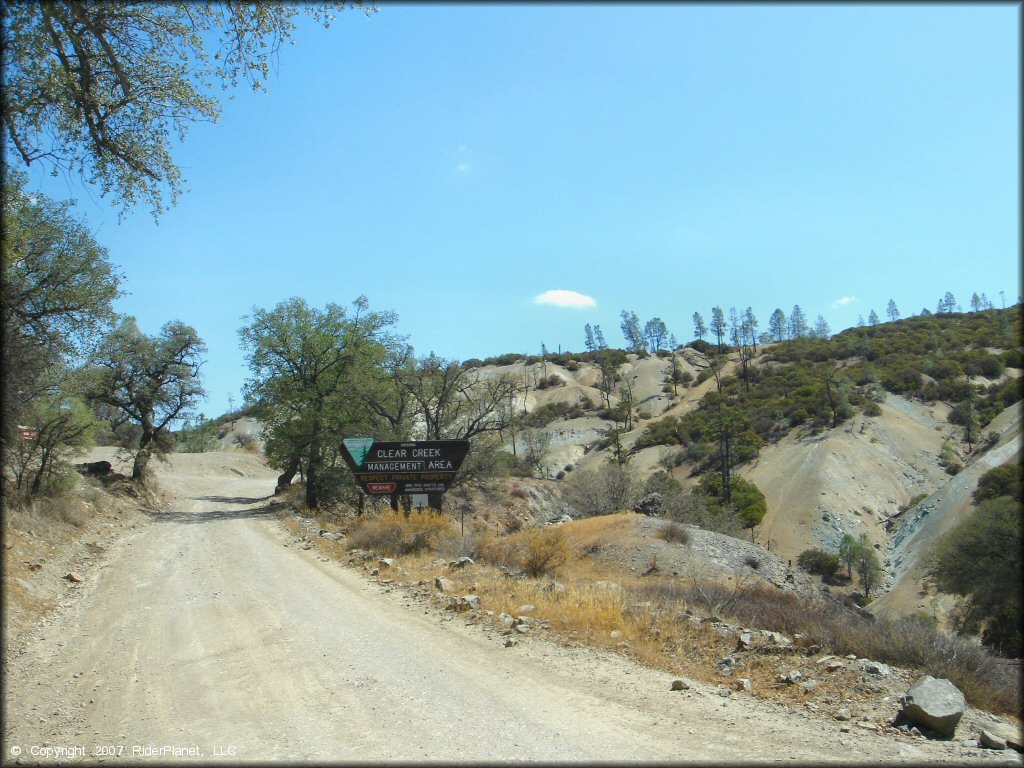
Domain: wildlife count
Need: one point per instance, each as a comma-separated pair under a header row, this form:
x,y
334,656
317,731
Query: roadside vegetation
x,y
670,623
980,561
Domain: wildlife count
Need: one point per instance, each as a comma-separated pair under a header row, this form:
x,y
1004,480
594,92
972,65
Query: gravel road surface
x,y
202,636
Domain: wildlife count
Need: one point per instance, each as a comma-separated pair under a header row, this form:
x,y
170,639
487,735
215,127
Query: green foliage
x,y
818,562
508,465
849,553
662,482
869,569
746,498
544,414
318,376
152,381
58,288
980,560
97,89
63,425
197,438
1006,480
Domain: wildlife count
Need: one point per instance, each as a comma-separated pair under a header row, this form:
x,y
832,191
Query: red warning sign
x,y
381,487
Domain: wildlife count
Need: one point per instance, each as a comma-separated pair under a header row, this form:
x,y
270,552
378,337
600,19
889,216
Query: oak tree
x,y
103,90
151,381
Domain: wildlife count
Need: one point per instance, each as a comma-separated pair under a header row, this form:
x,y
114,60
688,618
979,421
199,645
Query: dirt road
x,y
208,634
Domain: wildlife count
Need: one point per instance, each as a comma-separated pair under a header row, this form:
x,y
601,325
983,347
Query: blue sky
x,y
453,163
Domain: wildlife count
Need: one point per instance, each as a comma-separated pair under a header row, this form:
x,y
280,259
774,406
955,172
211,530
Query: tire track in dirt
x,y
205,631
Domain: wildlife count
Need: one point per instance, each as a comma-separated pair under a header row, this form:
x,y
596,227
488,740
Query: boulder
x,y
74,578
99,468
991,740
936,704
443,584
462,562
650,505
679,685
875,668
469,602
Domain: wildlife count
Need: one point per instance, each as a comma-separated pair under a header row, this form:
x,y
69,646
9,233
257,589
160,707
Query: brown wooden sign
x,y
420,466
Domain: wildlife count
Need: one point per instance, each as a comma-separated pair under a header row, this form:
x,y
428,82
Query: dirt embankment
x,y
212,632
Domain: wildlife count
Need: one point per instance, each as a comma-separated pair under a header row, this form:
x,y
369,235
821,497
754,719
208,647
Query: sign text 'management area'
x,y
421,466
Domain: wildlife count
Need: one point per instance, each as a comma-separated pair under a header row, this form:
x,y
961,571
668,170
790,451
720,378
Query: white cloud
x,y
843,301
462,167
570,299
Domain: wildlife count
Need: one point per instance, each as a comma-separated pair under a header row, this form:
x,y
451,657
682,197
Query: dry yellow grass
x,y
654,618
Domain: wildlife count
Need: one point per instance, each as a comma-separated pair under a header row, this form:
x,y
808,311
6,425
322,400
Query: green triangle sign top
x,y
358,448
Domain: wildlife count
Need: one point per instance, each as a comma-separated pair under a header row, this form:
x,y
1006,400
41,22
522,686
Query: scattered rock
x,y
385,562
555,586
615,634
875,668
508,642
991,740
810,685
724,692
679,685
794,676
470,601
744,684
650,505
73,577
843,714
746,639
462,562
726,665
527,608
936,704
443,584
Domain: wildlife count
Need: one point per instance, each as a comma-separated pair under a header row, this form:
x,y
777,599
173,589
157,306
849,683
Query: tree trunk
x,y
37,481
314,493
285,478
140,472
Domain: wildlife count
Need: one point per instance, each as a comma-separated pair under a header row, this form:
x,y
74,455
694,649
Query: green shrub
x,y
1005,480
747,499
871,408
980,560
818,562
